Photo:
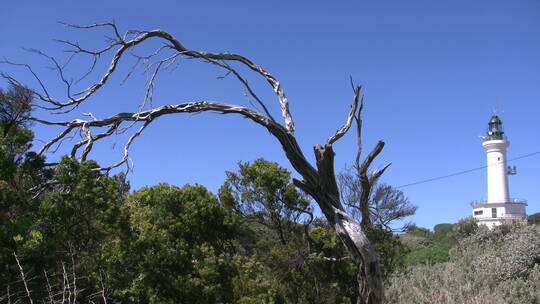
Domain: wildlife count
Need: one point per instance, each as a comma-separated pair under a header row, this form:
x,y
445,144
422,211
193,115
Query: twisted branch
x,y
123,44
114,122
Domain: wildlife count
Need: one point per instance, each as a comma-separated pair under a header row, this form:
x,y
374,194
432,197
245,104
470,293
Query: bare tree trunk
x,y
326,194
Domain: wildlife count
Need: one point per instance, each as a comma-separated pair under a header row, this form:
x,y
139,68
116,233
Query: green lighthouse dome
x,y
495,130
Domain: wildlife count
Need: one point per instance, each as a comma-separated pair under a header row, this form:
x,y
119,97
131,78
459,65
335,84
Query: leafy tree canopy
x,y
177,244
263,191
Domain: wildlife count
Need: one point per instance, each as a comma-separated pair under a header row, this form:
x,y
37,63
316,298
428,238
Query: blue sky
x,y
432,71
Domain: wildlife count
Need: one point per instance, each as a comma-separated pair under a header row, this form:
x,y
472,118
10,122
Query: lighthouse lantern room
x,y
499,208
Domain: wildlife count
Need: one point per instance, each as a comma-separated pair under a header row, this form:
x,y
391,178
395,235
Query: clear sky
x,y
432,70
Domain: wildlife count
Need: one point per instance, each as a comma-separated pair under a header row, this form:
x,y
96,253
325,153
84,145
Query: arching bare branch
x,y
246,85
13,81
124,45
148,116
58,138
352,114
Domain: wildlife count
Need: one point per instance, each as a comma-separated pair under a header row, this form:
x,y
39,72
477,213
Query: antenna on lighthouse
x,y
497,109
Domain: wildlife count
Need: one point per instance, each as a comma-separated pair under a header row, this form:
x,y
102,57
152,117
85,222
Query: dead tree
x,y
318,180
373,204
385,204
356,187
59,288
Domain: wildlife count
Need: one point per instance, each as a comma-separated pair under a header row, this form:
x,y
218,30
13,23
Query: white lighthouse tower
x,y
499,208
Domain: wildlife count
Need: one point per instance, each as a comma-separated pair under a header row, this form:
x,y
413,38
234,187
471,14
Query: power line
x,y
464,172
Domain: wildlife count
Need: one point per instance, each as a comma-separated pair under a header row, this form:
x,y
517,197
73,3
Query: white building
x,y
499,208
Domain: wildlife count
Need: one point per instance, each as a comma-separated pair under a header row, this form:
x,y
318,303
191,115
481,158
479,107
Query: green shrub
x,y
534,219
413,243
428,256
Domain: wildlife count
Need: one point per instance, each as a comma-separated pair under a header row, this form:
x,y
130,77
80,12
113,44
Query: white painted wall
x,y
497,171
502,210
506,212
515,209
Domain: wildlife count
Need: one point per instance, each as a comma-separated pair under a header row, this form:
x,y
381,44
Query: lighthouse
x,y
499,207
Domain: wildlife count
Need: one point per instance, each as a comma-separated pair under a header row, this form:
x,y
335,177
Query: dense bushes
x,y
499,266
176,243
436,254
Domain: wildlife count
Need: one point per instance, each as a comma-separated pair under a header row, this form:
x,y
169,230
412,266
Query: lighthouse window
x,y
493,212
479,212
498,158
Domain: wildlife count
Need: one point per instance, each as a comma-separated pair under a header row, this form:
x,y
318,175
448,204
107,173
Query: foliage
x,y
81,209
19,172
177,245
420,232
263,191
390,249
123,184
504,254
443,229
426,247
70,222
62,286
464,228
534,219
15,105
22,177
486,267
20,169
413,242
254,282
387,205
48,216
442,233
330,271
307,262
438,253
